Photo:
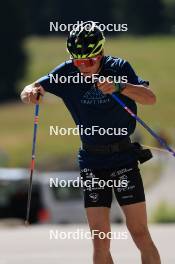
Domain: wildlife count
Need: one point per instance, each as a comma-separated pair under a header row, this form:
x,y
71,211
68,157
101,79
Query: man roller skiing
x,y
104,156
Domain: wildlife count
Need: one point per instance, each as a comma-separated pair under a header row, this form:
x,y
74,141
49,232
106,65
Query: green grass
x,y
153,59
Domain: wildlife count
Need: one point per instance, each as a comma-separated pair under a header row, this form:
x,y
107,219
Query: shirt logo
x,y
95,96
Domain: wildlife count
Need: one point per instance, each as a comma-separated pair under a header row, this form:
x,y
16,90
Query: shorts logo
x,y
123,177
94,197
90,175
113,174
119,172
127,196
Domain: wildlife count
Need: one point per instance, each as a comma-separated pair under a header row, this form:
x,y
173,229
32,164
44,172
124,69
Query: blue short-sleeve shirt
x,y
90,107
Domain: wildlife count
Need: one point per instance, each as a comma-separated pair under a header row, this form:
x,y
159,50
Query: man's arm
x,y
29,93
138,93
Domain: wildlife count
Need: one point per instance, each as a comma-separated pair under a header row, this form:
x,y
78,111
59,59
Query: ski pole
x,y
138,119
33,160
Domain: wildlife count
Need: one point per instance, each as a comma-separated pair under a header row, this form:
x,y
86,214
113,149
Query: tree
x,y
12,58
143,17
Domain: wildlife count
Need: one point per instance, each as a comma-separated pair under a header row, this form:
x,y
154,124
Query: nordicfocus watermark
x,y
80,130
92,182
80,78
57,26
81,234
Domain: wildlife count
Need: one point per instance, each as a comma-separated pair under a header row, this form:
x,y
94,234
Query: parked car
x,y
49,204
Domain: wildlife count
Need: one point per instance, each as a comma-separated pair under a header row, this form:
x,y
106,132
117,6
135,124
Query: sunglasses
x,y
86,62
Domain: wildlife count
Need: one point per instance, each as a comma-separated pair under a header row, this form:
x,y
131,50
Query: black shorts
x,y
98,186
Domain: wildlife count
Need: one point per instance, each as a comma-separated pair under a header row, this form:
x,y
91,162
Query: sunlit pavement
x,y
21,245
162,190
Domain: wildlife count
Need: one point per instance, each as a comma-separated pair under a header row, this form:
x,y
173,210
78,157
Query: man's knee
x,y
99,224
140,235
100,239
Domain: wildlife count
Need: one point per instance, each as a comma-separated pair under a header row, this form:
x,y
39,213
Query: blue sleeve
x,y
132,77
50,82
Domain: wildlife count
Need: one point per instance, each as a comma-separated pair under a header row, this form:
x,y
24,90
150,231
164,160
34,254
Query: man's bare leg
x,y
136,221
99,219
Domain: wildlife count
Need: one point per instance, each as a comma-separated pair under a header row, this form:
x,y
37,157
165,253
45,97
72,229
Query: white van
x,y
48,204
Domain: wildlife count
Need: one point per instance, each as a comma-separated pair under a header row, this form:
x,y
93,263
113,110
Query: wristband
x,y
119,87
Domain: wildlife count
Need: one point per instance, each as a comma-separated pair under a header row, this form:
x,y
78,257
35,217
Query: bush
x,y
164,213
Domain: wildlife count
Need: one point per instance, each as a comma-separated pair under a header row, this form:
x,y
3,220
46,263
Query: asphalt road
x,y
34,245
